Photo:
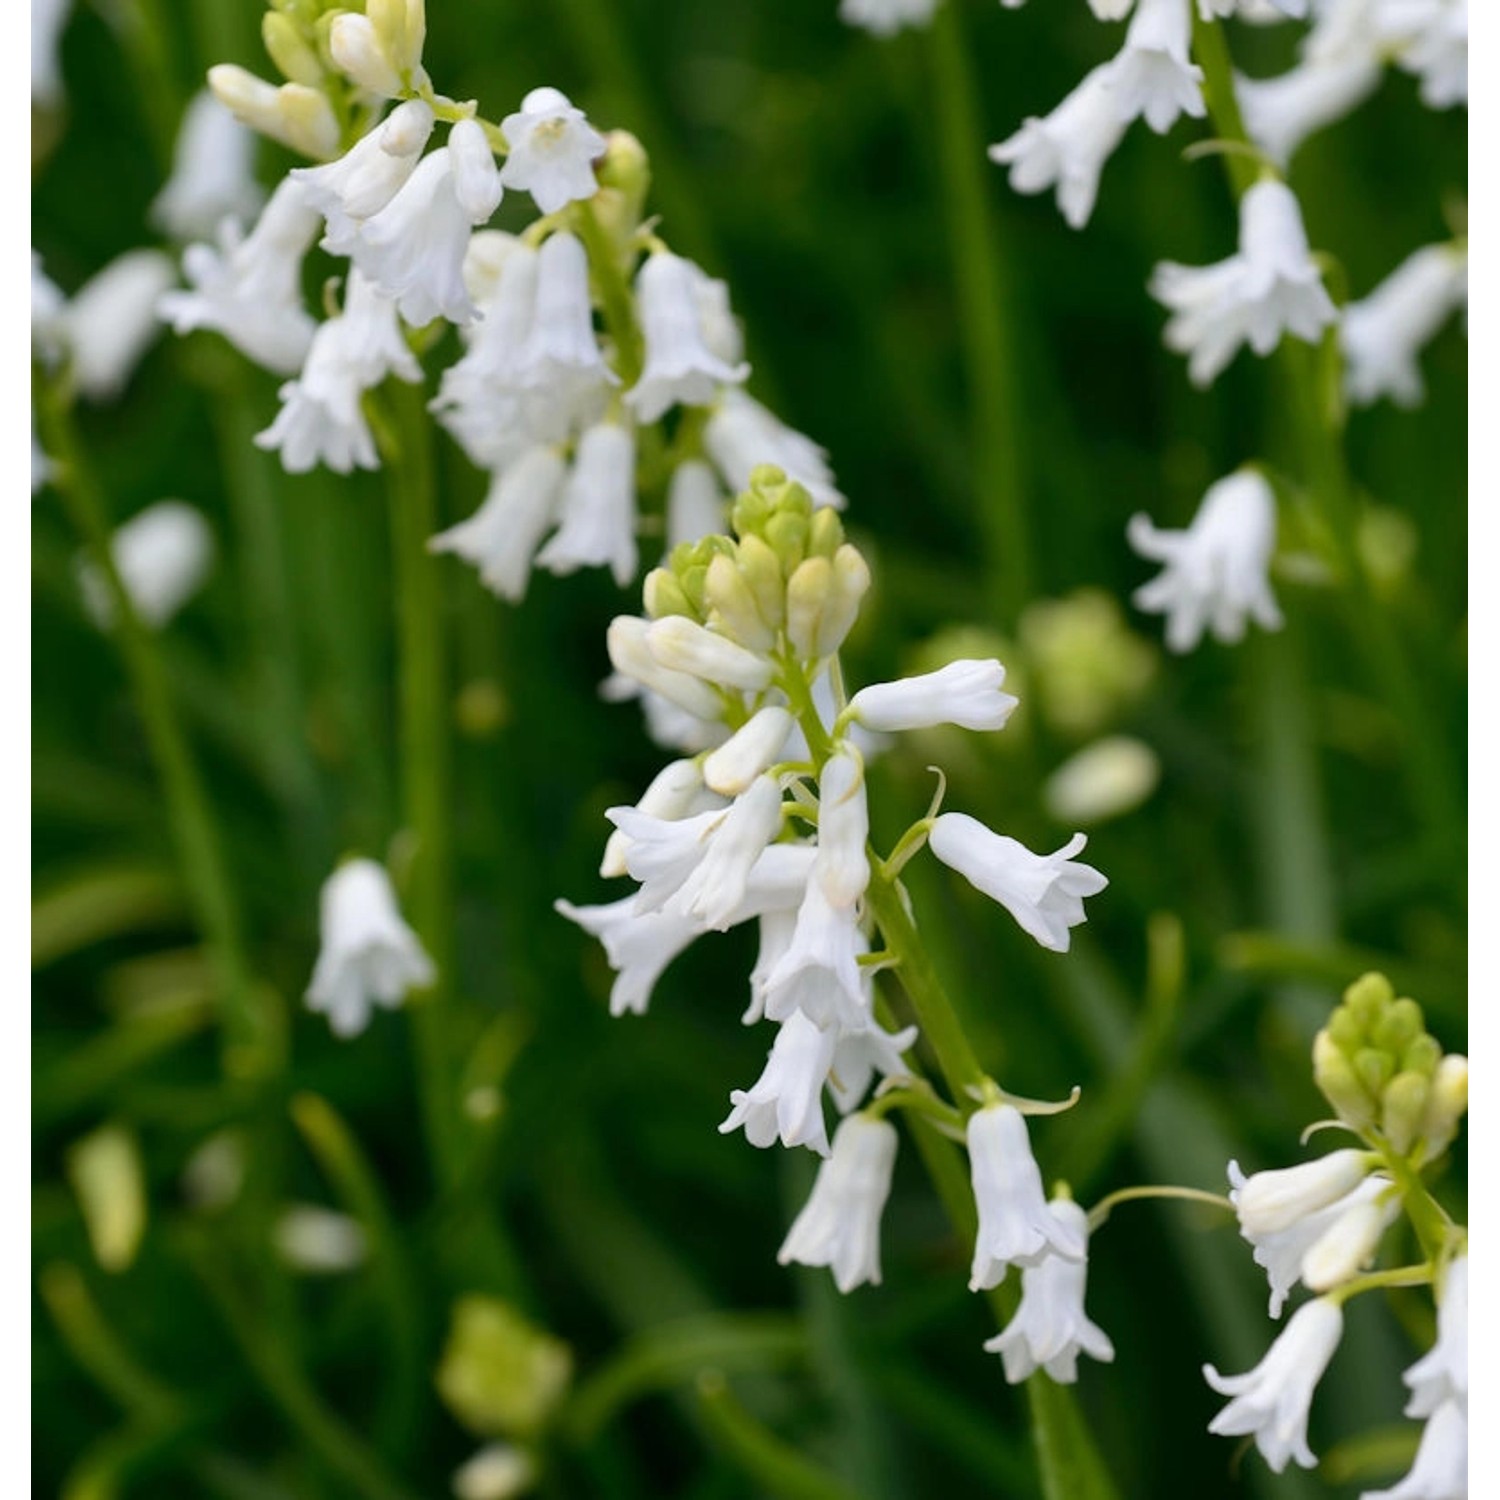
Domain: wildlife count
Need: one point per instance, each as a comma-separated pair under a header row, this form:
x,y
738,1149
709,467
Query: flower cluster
x,y
578,334
1322,1224
766,819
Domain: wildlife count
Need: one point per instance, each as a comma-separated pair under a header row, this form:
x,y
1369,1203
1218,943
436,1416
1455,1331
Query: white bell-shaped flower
x,y
1067,148
1215,574
676,792
162,555
742,434
552,150
1043,892
1440,1470
1270,1403
1050,1329
966,693
1442,1374
48,18
249,287
1153,77
1383,333
368,955
639,945
501,537
598,507
680,367
561,359
212,173
1282,112
786,1101
1016,1227
862,1053
112,321
818,974
843,865
1270,288
839,1226
886,17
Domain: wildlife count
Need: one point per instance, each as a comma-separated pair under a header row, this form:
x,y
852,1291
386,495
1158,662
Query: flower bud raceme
x,y
552,150
162,555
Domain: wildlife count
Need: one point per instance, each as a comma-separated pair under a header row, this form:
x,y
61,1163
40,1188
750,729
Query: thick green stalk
x,y
252,1041
425,769
984,301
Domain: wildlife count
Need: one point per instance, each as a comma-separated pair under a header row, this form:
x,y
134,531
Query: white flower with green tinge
x,y
552,150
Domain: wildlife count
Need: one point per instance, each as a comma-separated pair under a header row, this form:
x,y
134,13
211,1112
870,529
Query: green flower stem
x,y
425,767
984,298
1311,379
252,1036
1376,1280
611,280
1100,1212
1433,1228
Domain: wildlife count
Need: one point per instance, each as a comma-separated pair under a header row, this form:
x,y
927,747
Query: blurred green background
x,y
819,171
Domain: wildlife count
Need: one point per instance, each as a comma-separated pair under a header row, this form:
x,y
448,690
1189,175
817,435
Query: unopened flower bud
x,y
289,49
1374,1069
1447,1100
786,531
851,581
294,114
1368,997
626,169
1422,1056
1401,1023
476,178
751,750
360,56
1335,1076
728,594
825,533
762,571
807,593
682,645
663,595
401,28
1349,1243
1402,1108
630,656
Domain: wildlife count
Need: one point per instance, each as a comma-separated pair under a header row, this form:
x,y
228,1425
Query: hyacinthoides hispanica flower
x,y
766,819
1322,1224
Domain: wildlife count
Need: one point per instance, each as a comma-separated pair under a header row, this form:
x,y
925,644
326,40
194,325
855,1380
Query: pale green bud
x,y
786,531
1368,997
105,1170
807,594
851,581
1401,1023
825,534
499,1373
1422,1056
290,50
1346,1029
1335,1076
1447,1101
1402,1108
728,596
294,114
626,170
762,573
664,595
1373,1068
401,29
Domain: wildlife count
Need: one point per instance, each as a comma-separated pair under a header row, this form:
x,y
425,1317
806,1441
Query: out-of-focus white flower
x,y
1440,1470
1104,780
1067,148
162,555
48,18
41,465
212,174
295,114
1257,12
598,507
1270,1402
561,361
839,1226
1282,112
1431,38
368,955
742,434
318,1240
965,693
1050,1328
1153,77
49,327
1216,573
1383,333
1043,892
1016,1227
502,536
680,367
320,420
496,1472
111,321
886,17
786,1101
1270,288
249,289
1442,1374
552,150
695,503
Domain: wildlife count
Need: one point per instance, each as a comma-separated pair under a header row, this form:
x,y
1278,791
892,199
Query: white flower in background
x,y
111,321
1441,1376
41,465
680,367
318,1241
742,434
249,289
1270,1403
561,361
965,693
162,555
1282,112
501,537
368,955
49,324
598,507
1153,77
1257,12
1107,779
552,150
839,1226
695,503
212,173
496,1472
1043,892
365,178
786,1101
1215,574
1067,148
1431,38
1016,1227
1441,1468
1383,333
1270,288
886,17
1050,1328
48,19
320,421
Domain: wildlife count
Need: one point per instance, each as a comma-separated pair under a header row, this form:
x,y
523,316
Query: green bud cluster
x,y
1384,1074
786,580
